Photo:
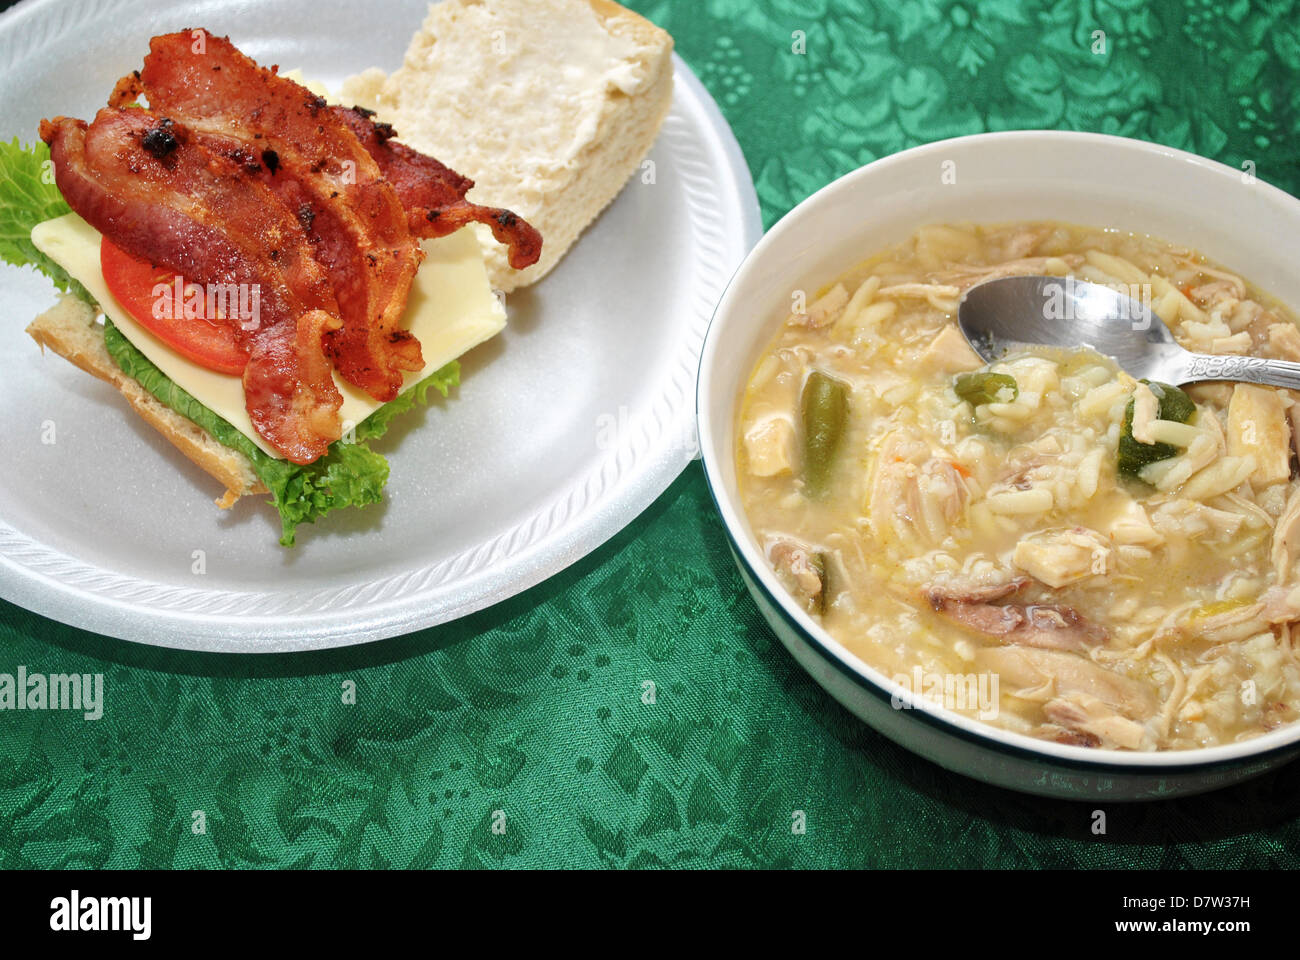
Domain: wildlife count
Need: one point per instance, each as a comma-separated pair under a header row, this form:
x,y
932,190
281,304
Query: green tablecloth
x,y
522,736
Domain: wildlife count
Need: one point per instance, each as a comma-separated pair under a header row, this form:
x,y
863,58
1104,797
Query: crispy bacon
x,y
162,197
321,171
236,175
434,194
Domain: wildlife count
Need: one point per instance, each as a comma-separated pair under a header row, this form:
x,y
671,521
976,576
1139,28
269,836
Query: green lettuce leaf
x,y
349,475
26,199
376,425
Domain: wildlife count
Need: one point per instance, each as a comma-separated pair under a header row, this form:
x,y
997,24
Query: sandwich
x,y
267,276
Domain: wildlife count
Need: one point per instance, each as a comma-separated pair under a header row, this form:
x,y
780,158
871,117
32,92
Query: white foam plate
x,y
563,430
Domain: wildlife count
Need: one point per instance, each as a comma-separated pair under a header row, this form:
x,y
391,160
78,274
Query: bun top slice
x,y
549,106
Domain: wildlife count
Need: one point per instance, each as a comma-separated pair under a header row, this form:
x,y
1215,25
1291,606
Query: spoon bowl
x,y
1010,314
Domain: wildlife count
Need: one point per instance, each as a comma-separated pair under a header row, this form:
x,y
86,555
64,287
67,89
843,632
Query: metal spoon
x,y
1012,313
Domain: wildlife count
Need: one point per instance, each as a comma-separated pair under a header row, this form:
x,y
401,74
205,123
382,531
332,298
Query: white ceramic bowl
x,y
1080,178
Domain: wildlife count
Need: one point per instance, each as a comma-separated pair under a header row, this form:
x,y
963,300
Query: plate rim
x,y
580,518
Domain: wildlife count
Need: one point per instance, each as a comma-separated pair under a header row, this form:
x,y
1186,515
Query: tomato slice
x,y
180,322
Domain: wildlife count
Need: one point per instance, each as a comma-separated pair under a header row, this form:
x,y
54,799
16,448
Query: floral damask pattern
x,y
635,711
875,78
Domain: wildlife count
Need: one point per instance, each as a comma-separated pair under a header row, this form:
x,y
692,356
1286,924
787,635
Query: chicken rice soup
x,y
1043,543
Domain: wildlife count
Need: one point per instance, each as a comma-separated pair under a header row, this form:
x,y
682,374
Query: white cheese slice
x,y
450,310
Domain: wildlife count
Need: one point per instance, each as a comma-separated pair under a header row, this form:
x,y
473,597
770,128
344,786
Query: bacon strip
x,y
163,198
315,164
434,194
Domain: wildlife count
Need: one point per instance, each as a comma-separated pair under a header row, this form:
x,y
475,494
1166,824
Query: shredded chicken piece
x,y
914,495
964,275
941,297
1195,520
1249,509
1234,281
1278,605
1059,557
1286,537
1284,340
1043,625
770,446
1175,699
1210,393
1133,527
1293,417
823,311
979,593
1258,426
1248,318
1075,738
950,353
1247,613
801,570
1027,667
1219,294
1277,714
1281,604
1097,721
1023,243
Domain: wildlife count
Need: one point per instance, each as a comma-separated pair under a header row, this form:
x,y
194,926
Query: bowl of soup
x,y
1040,572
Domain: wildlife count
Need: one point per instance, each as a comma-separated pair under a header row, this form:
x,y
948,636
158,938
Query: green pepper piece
x,y
824,407
1175,404
984,387
820,565
1132,454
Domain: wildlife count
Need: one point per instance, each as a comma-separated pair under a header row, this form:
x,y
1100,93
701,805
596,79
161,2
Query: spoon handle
x,y
1202,366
